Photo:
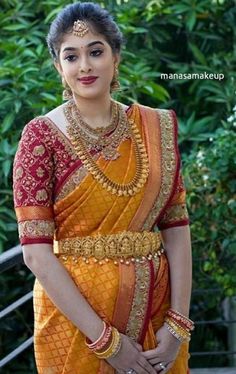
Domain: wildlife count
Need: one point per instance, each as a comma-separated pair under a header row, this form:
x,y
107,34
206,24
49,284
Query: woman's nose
x,y
84,66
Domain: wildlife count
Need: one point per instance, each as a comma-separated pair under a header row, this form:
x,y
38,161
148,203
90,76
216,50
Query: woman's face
x,y
87,64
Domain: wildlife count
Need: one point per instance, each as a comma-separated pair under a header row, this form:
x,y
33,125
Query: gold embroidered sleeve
x,y
33,186
36,231
176,213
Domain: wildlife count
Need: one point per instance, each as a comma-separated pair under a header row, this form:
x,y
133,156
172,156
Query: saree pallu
x,y
133,297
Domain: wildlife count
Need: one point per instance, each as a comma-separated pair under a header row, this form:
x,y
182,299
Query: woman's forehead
x,y
72,41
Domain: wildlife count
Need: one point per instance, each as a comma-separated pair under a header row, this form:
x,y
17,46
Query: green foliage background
x,y
162,37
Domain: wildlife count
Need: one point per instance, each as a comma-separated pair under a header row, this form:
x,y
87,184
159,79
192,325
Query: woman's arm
x,y
61,289
177,244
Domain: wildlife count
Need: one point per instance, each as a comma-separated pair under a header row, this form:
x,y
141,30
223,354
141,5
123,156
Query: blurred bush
x,y
211,185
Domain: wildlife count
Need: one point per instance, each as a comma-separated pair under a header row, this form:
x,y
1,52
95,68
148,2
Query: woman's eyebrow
x,y
88,45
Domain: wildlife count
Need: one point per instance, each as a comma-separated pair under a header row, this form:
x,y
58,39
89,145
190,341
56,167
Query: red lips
x,y
87,80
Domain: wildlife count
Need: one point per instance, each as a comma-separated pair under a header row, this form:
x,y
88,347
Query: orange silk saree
x,y
66,202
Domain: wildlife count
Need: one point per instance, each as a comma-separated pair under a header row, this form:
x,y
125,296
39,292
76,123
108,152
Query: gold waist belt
x,y
121,246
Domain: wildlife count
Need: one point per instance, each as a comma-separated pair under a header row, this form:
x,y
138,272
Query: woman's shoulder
x,y
40,125
166,114
152,108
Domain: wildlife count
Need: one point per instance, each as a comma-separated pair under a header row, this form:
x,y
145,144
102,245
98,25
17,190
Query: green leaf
x,y
198,54
191,20
6,167
7,122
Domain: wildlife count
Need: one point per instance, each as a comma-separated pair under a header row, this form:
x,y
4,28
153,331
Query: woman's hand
x,y
165,353
130,357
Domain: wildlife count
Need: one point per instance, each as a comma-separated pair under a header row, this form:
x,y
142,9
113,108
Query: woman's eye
x,y
70,58
96,52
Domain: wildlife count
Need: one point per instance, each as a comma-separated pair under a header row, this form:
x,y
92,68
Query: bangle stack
x,y
108,344
179,325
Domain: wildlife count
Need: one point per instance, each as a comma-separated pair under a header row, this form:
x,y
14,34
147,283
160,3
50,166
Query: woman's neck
x,y
95,112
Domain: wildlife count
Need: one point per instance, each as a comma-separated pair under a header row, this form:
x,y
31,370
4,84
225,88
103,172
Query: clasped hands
x,y
131,359
163,356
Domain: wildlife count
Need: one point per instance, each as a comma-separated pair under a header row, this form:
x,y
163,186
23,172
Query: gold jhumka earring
x,y
115,84
67,93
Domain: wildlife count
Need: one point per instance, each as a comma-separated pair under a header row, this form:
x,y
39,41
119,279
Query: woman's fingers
x,y
136,345
152,353
146,365
160,369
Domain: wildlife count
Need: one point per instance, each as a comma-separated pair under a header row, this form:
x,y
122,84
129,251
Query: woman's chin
x,y
92,95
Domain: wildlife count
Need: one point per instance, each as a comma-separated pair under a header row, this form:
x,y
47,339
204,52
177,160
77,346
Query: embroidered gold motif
x,y
19,172
55,132
122,245
36,229
19,195
41,195
175,213
38,150
168,166
40,172
140,300
73,181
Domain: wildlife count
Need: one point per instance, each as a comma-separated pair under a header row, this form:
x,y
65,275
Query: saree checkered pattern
x,y
55,199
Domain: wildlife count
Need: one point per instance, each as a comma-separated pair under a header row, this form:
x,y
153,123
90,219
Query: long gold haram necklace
x,y
119,189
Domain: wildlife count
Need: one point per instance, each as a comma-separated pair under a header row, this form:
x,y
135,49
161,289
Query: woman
x,y
92,178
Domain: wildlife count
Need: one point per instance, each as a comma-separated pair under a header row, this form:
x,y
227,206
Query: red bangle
x,y
180,318
102,340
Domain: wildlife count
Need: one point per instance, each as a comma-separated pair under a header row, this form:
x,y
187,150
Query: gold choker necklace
x,y
86,158
97,132
100,142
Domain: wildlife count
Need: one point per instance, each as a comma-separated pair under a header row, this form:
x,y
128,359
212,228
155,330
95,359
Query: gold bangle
x,y
114,347
178,329
173,332
177,334
174,324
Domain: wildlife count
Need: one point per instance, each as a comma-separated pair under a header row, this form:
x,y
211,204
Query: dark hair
x,y
95,15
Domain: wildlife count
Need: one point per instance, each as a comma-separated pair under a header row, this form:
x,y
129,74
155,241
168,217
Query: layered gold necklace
x,y
83,142
97,138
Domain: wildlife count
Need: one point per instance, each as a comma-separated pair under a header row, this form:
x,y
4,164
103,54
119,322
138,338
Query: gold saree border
x,y
125,296
170,166
152,132
142,301
25,213
160,126
160,132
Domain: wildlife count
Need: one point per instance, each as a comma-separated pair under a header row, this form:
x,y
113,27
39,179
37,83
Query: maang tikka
x,y
80,28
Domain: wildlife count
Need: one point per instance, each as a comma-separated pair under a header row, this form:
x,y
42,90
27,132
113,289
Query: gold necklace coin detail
x,y
142,167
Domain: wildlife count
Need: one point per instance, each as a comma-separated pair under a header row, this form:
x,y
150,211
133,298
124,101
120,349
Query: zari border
x,y
142,301
151,126
170,166
124,299
24,213
72,179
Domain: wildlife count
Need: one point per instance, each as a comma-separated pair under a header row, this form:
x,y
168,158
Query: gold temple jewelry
x,y
80,28
102,130
142,167
124,247
107,145
67,93
115,84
